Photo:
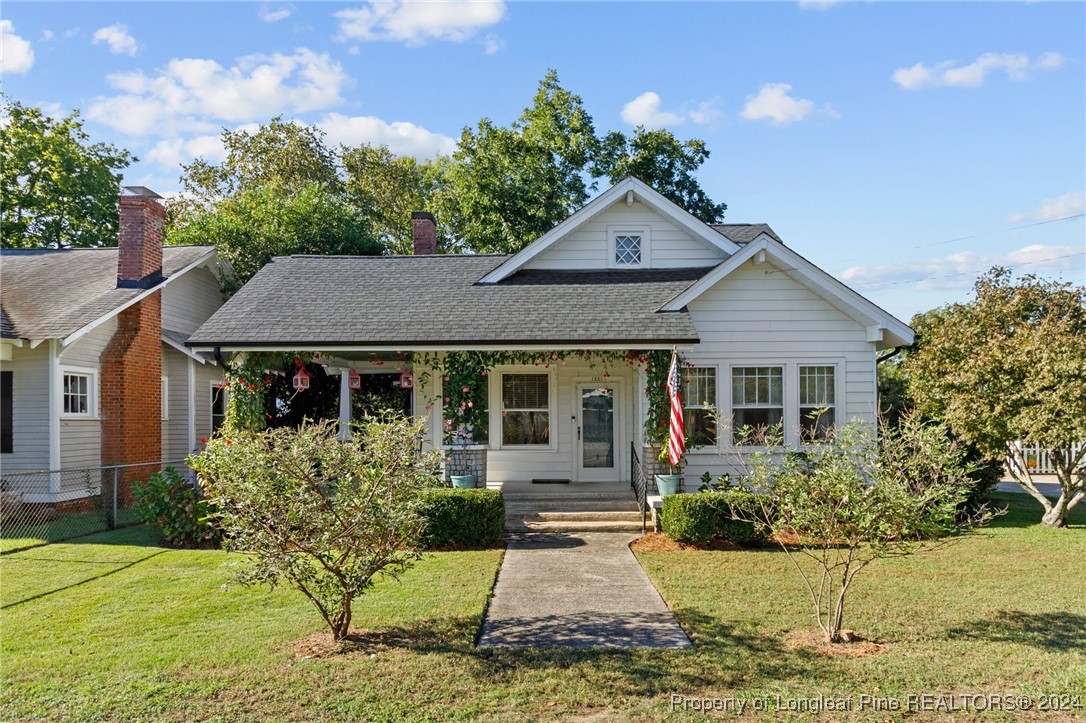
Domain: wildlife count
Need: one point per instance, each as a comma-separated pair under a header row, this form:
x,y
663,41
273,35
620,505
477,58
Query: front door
x,y
596,443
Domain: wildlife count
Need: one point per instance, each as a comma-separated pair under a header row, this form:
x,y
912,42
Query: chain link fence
x,y
45,506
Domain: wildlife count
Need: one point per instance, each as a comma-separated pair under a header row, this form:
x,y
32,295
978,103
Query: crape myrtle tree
x,y
851,499
1008,369
59,188
323,516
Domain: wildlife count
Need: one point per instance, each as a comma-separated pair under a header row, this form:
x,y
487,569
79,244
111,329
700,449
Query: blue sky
x,y
902,147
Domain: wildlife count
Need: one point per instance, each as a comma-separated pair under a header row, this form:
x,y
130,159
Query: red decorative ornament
x,y
406,380
354,380
301,380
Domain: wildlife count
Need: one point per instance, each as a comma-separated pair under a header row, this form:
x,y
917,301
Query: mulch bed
x,y
659,542
815,641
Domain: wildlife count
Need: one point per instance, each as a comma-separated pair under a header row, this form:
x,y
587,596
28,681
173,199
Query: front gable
x,y
629,217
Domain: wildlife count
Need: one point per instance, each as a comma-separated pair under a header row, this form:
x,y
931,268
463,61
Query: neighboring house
x,y
770,336
93,362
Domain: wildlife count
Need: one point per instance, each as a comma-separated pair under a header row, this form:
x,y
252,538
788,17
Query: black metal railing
x,y
639,484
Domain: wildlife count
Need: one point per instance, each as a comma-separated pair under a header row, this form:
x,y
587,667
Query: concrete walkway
x,y
577,590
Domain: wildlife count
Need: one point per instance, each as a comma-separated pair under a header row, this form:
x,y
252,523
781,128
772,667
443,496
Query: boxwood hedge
x,y
462,517
700,517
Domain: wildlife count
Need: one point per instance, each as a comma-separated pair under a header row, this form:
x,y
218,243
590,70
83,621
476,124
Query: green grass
x,y
18,535
114,626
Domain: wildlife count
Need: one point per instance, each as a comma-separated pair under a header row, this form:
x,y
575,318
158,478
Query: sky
x,y
904,147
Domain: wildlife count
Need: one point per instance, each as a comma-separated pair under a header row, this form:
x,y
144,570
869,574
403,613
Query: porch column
x,y
344,404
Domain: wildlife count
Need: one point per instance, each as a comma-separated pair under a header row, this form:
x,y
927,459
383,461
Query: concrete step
x,y
580,516
573,526
567,495
571,506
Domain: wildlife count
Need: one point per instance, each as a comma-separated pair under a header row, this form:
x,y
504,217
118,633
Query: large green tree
x,y
1007,369
254,225
58,188
662,161
506,186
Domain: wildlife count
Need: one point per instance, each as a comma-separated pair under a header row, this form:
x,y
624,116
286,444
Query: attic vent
x,y
628,249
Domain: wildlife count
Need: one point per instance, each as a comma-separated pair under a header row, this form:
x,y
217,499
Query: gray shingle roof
x,y
49,293
744,233
416,301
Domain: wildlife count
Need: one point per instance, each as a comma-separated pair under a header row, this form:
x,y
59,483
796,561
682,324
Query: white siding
x,y
587,247
190,301
81,439
175,430
30,409
760,316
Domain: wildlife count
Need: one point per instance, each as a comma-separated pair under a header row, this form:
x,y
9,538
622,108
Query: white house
x,y
93,362
771,337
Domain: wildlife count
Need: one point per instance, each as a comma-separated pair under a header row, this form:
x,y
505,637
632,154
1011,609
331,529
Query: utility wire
x,y
1002,230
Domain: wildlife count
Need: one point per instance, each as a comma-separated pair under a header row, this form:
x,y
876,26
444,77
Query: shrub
x,y
703,516
462,517
169,501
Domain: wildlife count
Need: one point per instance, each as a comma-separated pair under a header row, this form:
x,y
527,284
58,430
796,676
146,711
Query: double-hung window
x,y
77,393
525,409
218,405
757,401
816,402
699,406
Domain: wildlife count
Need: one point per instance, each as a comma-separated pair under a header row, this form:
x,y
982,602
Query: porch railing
x,y
639,484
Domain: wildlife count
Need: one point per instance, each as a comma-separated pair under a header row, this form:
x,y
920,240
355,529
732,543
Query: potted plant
x,y
668,484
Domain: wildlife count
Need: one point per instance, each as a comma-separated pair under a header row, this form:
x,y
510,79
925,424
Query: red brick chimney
x,y
424,233
139,261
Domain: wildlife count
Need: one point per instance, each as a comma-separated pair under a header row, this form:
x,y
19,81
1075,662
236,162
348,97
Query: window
x,y
7,412
77,395
757,400
165,397
816,402
627,249
699,403
218,406
629,246
525,409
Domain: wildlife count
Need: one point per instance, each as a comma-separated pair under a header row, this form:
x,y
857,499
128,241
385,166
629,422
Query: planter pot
x,y
463,481
668,484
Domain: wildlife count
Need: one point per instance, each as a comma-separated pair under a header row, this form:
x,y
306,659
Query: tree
x,y
507,186
659,159
854,498
387,188
324,516
254,225
59,189
1007,369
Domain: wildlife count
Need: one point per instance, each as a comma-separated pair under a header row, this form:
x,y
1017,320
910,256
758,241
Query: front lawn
x,y
114,626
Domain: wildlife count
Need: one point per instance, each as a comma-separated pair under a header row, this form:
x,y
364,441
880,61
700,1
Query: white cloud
x,y
644,110
273,16
493,43
818,4
71,32
1017,66
957,271
416,22
47,35
118,39
16,55
172,152
191,94
1051,209
773,103
401,137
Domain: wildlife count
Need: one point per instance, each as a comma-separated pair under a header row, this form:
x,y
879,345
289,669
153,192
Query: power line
x,y
1002,230
963,273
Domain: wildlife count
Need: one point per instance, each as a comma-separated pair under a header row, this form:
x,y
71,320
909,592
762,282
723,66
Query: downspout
x,y
889,355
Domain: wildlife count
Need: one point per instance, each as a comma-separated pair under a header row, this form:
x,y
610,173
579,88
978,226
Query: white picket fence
x,y
1039,461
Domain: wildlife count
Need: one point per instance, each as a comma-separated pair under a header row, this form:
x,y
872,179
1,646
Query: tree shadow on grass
x,y
1052,631
1021,510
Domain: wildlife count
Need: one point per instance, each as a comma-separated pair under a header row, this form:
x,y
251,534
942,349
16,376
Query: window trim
x,y
92,392
716,403
784,406
7,439
790,418
644,230
834,405
495,393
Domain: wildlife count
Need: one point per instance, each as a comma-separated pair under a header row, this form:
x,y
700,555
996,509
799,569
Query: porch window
x,y
816,402
699,406
77,396
525,409
757,401
218,405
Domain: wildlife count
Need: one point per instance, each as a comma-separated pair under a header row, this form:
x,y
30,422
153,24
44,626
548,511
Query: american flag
x,y
676,438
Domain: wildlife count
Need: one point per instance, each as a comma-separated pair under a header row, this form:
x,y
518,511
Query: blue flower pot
x,y
463,481
668,484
